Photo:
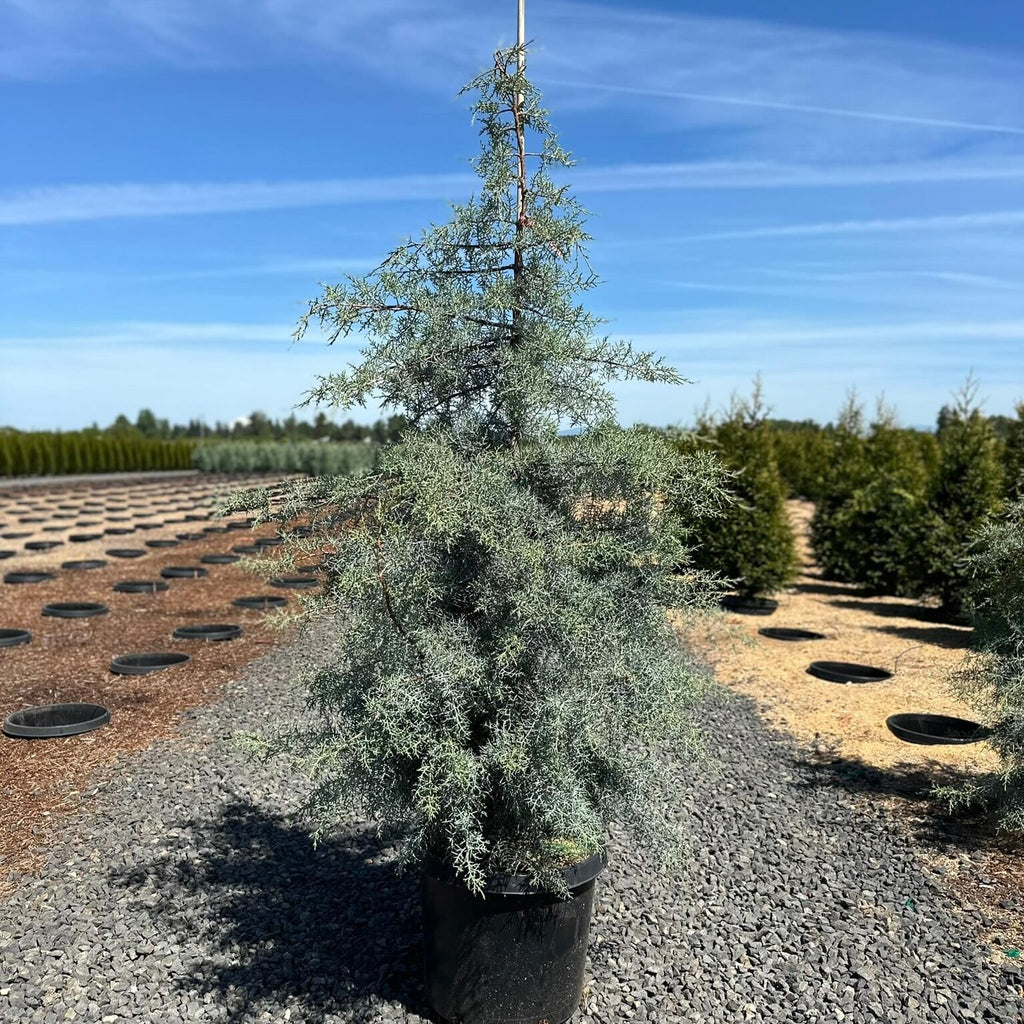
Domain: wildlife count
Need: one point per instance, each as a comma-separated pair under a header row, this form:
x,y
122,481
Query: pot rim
x,y
576,876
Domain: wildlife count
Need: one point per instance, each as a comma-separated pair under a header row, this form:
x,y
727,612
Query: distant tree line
x,y
257,426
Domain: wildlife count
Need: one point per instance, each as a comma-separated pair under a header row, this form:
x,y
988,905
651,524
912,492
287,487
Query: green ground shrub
x,y
314,458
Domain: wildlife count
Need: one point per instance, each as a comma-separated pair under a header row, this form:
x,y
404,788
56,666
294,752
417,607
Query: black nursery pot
x,y
749,605
513,956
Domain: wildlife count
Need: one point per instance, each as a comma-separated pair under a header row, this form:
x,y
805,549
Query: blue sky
x,y
833,197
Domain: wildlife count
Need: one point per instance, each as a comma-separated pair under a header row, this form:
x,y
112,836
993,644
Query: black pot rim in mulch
x,y
125,552
245,549
193,518
748,605
7,554
215,529
43,545
84,563
165,542
942,730
847,672
74,609
244,524
14,637
119,531
787,633
183,572
217,631
52,720
220,559
143,664
315,567
190,536
82,538
261,603
268,542
294,582
16,535
29,577
140,586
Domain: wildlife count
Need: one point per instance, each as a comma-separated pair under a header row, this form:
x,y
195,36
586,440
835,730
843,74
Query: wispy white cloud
x,y
50,204
73,202
965,279
697,69
797,108
966,221
149,334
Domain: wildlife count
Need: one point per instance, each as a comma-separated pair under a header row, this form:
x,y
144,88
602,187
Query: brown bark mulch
x,y
68,659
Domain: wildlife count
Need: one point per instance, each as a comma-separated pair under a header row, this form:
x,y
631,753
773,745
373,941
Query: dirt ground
x,y
68,659
840,728
848,719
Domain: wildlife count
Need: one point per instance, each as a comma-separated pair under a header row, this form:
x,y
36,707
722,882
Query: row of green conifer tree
x,y
895,508
47,453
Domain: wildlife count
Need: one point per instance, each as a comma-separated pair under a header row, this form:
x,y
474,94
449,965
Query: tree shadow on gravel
x,y
828,589
951,637
904,610
912,785
274,923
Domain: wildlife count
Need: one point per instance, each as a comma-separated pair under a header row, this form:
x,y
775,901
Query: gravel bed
x,y
185,893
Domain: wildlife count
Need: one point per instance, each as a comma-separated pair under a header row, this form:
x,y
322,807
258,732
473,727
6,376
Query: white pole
x,y
521,35
521,43
521,67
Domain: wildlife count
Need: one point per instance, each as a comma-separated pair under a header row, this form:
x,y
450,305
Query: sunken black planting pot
x,y
512,956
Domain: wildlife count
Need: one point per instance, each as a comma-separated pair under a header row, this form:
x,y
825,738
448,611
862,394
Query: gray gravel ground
x,y
184,893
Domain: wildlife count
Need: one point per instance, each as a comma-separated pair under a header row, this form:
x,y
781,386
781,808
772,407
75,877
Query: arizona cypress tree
x,y
505,674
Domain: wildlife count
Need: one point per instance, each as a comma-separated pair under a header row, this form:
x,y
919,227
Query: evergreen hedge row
x,y
898,507
315,458
45,453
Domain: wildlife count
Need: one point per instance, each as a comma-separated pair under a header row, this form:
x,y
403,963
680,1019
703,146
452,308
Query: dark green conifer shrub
x,y
803,454
1014,456
876,527
506,677
968,489
751,539
992,677
849,471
